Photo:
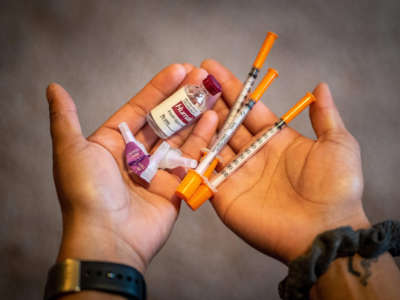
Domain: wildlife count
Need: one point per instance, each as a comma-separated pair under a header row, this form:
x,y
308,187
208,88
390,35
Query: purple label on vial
x,y
135,159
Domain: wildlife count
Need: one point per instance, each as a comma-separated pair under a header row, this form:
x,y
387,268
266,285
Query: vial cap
x,y
212,85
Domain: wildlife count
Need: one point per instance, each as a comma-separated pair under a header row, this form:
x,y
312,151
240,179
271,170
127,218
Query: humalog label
x,y
175,112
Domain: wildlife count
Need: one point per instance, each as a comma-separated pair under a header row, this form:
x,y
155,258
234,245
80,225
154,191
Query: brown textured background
x,y
103,52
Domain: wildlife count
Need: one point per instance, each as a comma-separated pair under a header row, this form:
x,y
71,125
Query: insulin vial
x,y
182,107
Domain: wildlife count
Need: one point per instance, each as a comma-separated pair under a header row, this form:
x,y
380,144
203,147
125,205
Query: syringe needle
x,y
207,189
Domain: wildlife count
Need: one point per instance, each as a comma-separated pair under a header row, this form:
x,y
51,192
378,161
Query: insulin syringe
x,y
208,188
194,178
236,115
252,76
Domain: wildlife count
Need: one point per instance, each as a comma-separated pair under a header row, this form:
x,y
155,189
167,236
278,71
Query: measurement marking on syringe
x,y
258,143
247,153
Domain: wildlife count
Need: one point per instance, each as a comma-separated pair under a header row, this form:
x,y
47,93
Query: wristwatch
x,y
71,276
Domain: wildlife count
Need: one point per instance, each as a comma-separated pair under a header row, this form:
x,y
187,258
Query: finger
x,y
159,88
64,122
259,117
146,135
164,184
323,112
226,155
201,135
241,136
199,138
188,67
135,111
195,77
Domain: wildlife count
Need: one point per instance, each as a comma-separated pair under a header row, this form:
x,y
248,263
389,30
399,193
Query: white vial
x,y
182,107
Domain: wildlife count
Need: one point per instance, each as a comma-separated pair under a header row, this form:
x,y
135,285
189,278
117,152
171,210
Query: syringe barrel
x,y
240,99
237,119
224,138
246,154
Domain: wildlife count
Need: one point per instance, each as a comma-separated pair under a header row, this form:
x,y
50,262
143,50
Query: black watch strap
x,y
72,276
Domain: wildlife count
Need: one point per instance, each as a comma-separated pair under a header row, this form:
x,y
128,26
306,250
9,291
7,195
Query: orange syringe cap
x,y
298,107
264,51
193,180
202,194
271,75
188,185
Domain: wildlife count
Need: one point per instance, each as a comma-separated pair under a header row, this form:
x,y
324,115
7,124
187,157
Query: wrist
x,y
359,278
360,247
94,280
356,221
88,242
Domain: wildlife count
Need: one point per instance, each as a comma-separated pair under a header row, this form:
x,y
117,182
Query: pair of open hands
x,y
290,191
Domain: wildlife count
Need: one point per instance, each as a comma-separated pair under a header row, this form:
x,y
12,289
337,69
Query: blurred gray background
x,y
103,52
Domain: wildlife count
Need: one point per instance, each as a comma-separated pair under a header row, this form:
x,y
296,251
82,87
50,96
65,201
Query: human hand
x,y
106,216
295,187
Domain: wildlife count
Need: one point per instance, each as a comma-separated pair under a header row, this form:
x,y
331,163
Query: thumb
x,y
64,123
324,115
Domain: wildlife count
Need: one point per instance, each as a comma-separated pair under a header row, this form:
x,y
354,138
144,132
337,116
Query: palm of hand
x,y
98,197
292,190
127,209
294,183
295,187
